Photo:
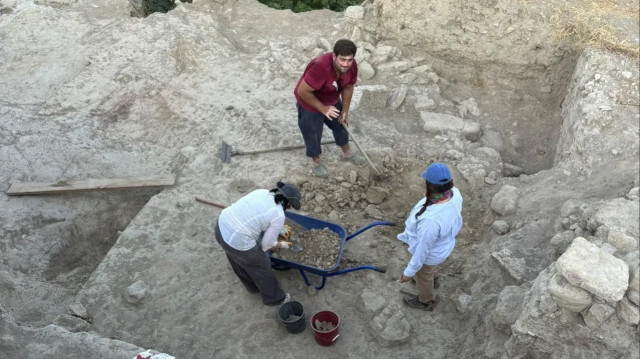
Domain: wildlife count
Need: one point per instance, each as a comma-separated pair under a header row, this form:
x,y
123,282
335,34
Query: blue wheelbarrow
x,y
313,223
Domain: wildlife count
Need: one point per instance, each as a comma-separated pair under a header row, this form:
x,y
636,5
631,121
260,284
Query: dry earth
x,y
542,139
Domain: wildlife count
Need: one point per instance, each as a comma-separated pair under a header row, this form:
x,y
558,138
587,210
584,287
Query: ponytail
x,y
431,190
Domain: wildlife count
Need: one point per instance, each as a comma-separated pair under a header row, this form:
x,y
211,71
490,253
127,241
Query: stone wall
x,y
600,111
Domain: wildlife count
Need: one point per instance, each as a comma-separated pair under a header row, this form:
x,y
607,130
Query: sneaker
x,y
287,298
414,302
320,171
355,158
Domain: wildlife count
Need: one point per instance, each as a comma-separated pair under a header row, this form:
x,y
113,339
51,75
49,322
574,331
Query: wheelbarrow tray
x,y
313,223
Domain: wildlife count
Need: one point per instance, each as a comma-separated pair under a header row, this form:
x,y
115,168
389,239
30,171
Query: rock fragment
x,y
371,302
365,70
78,310
622,241
511,170
568,296
597,314
424,103
508,308
390,327
505,201
464,303
137,292
396,97
376,195
516,267
354,12
500,227
395,67
628,312
439,122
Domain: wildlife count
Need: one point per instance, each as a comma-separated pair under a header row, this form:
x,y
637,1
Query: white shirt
x,y
432,236
242,223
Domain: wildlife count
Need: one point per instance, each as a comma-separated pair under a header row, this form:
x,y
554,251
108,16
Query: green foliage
x,y
151,6
307,5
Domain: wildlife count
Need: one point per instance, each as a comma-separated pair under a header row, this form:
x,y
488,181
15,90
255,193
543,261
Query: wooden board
x,y
408,291
89,184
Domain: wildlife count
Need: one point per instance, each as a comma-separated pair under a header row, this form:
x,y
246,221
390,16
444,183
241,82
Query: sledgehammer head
x,y
225,152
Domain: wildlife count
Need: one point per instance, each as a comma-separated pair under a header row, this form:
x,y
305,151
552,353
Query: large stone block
x,y
567,295
395,67
590,268
440,122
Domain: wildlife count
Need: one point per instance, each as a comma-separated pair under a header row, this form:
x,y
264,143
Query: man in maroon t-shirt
x,y
327,78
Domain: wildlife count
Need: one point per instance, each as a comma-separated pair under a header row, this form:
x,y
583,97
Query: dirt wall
x,y
516,34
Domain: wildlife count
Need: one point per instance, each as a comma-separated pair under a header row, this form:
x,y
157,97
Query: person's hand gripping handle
x,y
285,234
331,113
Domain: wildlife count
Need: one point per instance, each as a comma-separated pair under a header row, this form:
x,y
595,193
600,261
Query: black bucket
x,y
291,314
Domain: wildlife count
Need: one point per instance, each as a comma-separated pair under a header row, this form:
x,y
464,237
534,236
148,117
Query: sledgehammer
x,y
226,150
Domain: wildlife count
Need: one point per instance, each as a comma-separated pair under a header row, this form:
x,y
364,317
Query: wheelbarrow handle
x,y
380,269
378,223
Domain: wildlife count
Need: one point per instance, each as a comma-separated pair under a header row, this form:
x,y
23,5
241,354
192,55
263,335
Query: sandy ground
x,y
125,96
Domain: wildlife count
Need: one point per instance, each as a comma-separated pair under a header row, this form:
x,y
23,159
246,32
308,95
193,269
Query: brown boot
x,y
414,302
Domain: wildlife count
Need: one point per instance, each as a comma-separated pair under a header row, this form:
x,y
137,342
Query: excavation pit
x,y
53,253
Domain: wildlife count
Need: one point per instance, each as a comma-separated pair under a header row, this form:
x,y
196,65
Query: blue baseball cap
x,y
437,173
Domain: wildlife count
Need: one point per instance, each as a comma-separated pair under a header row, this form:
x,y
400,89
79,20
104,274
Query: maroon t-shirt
x,y
321,76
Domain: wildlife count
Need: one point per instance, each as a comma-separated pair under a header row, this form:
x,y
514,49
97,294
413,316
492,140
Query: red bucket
x,y
325,338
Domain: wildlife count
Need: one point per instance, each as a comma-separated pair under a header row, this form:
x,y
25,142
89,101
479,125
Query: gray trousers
x,y
253,268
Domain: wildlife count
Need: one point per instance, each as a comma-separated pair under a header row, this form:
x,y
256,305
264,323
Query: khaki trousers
x,y
424,281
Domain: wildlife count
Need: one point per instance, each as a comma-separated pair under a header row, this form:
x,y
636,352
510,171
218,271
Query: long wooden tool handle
x,y
361,151
211,203
282,148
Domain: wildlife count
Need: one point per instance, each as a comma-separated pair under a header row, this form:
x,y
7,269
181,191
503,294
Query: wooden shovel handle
x,y
211,203
361,150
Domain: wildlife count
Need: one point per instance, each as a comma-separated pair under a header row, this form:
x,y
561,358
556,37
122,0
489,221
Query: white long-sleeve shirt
x,y
242,223
432,236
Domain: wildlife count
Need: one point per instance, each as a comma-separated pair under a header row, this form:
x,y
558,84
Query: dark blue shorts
x,y
311,125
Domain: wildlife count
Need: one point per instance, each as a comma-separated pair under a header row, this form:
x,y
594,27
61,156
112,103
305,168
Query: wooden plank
x,y
408,291
89,184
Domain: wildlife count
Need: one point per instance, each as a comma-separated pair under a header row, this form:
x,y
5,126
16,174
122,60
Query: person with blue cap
x,y
430,231
249,227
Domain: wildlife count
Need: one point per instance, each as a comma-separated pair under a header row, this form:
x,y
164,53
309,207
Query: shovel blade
x,y
225,152
296,249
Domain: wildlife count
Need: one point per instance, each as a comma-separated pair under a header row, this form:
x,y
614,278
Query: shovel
x,y
226,151
294,248
379,176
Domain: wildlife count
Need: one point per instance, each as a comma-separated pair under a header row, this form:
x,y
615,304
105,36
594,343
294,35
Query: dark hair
x,y
279,198
432,189
344,47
